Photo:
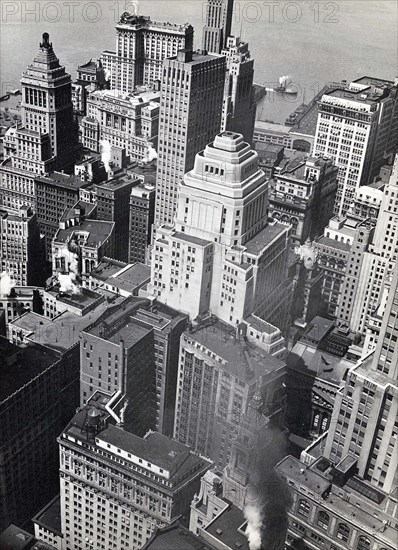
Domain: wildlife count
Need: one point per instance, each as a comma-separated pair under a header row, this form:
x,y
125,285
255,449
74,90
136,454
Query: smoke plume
x,y
150,154
6,284
106,153
68,281
252,513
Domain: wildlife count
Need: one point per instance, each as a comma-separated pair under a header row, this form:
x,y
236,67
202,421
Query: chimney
x,y
184,56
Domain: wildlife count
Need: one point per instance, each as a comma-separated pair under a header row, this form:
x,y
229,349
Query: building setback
x,y
190,116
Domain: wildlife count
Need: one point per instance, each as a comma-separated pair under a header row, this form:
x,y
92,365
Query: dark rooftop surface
x,y
229,527
15,538
86,208
156,448
63,180
176,537
327,241
96,232
49,517
317,363
244,359
18,366
265,237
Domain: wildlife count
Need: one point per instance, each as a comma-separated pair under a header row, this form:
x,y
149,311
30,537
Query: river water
x,y
311,41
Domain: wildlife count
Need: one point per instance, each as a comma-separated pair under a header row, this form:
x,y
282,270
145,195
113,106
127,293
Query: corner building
x,y
117,488
221,257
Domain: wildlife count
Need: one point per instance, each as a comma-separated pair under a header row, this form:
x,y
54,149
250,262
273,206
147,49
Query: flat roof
x,y
261,325
20,365
49,517
292,467
60,179
63,331
131,276
244,359
15,538
97,232
320,364
327,241
175,537
225,527
264,125
265,237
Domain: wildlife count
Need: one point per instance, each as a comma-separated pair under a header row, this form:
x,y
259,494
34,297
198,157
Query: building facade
x,y
20,246
218,24
107,473
142,215
357,129
129,121
141,47
302,194
221,257
239,109
190,117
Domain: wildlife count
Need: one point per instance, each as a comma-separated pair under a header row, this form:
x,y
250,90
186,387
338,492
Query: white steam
x,y
254,524
106,153
68,281
6,284
283,80
107,74
150,153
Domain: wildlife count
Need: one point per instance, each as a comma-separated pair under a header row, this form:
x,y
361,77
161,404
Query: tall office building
x,y
239,109
142,209
47,104
344,491
221,257
377,266
118,488
358,128
47,138
190,117
20,246
218,25
141,47
219,373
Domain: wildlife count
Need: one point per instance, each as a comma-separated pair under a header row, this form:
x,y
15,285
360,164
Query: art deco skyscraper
x,y
47,103
218,24
239,108
190,117
221,256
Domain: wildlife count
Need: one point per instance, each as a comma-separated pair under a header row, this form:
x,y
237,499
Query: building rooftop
x,y
293,468
20,365
308,360
261,325
127,278
176,537
49,517
268,126
333,243
15,538
229,529
265,237
62,332
60,179
96,232
241,358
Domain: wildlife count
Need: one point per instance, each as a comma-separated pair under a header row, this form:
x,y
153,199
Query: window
x,y
343,532
304,508
323,520
363,543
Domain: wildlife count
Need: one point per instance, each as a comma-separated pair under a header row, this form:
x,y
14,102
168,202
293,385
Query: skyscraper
x,y
218,25
141,46
239,109
358,128
190,117
47,103
117,488
221,256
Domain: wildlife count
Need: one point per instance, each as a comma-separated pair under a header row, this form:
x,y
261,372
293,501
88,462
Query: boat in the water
x,y
283,87
5,97
15,92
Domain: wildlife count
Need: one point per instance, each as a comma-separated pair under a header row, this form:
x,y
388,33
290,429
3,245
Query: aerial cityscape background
x,y
198,276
